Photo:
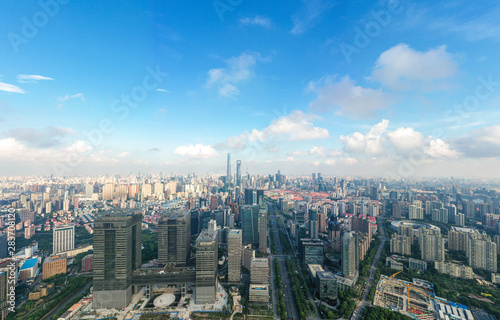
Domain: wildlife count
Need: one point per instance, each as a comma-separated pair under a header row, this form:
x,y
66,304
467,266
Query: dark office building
x,y
205,216
195,222
249,197
117,252
174,237
311,252
250,224
3,245
260,196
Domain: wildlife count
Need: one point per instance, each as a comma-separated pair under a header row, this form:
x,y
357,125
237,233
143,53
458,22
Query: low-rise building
x,y
454,269
54,265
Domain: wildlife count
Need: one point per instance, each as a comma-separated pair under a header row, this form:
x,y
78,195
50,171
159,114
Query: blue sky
x,y
343,88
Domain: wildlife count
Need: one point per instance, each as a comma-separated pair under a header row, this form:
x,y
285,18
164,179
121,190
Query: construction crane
x,y
392,277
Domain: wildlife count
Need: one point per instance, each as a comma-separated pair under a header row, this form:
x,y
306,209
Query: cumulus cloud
x,y
198,151
404,140
369,143
260,21
31,78
237,69
15,150
347,99
10,88
46,138
297,126
437,148
481,143
403,68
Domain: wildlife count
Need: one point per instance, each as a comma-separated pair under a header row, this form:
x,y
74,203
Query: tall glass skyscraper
x,y
117,253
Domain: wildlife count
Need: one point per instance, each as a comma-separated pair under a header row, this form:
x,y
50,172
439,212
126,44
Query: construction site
x,y
416,299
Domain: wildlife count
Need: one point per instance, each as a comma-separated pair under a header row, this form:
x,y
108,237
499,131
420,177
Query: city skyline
x,y
394,88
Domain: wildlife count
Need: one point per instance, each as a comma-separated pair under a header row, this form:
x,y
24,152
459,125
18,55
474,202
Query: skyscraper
x,y
263,231
249,224
249,197
313,223
238,173
117,252
350,255
228,176
174,237
235,246
206,267
63,238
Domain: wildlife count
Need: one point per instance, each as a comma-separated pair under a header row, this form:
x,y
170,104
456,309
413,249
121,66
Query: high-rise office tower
x,y
260,196
322,222
263,231
238,173
63,238
249,224
174,237
249,197
431,244
313,224
350,255
228,176
4,291
259,271
206,267
117,252
234,247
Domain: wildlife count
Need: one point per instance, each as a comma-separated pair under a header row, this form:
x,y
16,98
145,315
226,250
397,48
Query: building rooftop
x,y
30,263
55,258
325,275
207,236
260,262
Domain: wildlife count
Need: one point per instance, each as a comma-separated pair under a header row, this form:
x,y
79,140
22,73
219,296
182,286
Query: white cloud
x,y
308,16
198,151
348,99
7,87
369,143
330,162
349,160
238,69
162,90
480,143
437,148
297,126
403,68
14,150
404,140
261,21
48,137
123,155
31,78
68,97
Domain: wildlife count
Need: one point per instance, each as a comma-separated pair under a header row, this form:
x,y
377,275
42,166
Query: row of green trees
x,y
378,313
52,301
304,305
279,290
